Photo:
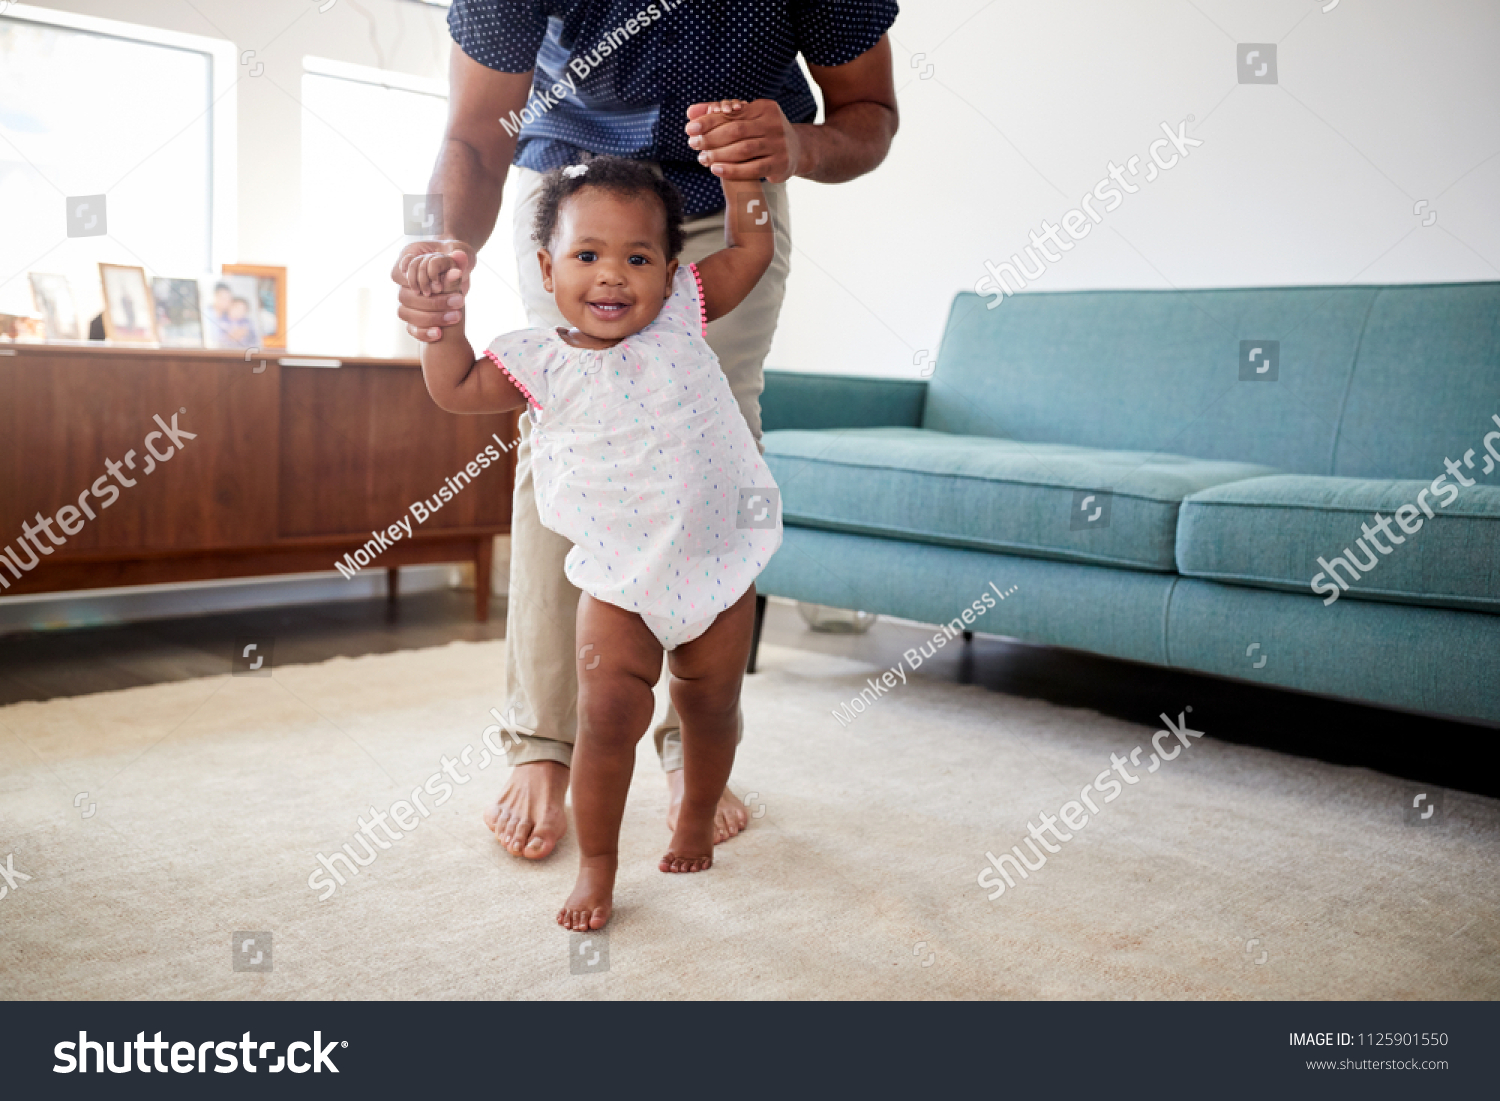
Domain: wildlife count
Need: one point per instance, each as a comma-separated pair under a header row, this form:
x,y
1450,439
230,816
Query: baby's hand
x,y
433,273
726,107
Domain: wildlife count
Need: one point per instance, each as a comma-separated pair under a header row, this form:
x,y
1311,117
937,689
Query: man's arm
x,y
859,121
470,175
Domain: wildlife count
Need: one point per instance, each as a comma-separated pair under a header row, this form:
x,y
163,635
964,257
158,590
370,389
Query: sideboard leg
x,y
484,554
392,584
760,618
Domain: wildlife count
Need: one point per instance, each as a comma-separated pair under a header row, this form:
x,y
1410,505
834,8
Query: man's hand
x,y
434,278
859,121
757,142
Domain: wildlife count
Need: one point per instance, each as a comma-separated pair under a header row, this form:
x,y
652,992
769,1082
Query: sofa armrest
x,y
796,399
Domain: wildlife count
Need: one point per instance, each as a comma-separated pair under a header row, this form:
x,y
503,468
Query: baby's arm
x,y
460,383
730,274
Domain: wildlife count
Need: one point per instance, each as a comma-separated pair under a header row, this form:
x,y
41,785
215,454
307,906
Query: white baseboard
x,y
103,607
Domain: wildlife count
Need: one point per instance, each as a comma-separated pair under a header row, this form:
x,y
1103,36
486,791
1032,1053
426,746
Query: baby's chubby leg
x,y
706,677
619,662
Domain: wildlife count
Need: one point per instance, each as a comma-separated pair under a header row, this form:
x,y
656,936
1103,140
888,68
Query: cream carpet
x,y
858,880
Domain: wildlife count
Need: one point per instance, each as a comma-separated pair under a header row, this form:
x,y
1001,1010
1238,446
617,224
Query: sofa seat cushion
x,y
991,494
1285,532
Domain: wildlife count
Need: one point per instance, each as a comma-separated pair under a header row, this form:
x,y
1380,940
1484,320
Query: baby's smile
x,y
609,309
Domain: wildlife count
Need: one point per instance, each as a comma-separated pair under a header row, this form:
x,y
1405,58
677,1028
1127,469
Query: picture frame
x,y
179,317
129,312
20,329
270,304
227,307
52,295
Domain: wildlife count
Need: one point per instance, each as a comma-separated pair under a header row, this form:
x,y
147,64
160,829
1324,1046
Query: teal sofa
x,y
1159,473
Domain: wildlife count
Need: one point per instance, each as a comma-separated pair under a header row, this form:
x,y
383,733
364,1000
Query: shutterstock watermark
x,y
913,658
187,1057
403,812
71,519
1078,222
588,953
13,877
1072,814
1406,517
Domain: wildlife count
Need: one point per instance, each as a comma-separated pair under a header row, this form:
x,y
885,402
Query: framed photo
x,y
270,301
179,321
129,314
53,298
227,306
14,328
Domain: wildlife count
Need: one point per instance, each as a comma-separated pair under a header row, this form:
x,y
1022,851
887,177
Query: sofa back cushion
x,y
1425,385
1154,370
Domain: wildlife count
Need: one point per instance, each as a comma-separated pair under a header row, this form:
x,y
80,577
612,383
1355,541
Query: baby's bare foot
x,y
692,844
592,900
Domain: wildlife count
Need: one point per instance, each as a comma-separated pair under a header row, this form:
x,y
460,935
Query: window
x,y
369,137
95,107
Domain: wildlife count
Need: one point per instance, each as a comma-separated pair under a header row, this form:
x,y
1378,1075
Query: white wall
x,y
1380,104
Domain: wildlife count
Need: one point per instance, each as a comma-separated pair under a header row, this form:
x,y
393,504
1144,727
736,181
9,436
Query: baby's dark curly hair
x,y
620,175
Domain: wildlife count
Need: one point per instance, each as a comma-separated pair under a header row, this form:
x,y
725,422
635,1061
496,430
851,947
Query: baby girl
x,y
640,456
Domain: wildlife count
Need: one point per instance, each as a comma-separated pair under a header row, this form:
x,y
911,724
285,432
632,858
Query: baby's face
x,y
608,269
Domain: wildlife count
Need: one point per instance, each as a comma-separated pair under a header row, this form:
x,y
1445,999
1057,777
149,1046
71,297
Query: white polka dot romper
x,y
643,460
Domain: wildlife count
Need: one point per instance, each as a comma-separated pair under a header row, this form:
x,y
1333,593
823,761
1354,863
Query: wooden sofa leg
x,y
760,618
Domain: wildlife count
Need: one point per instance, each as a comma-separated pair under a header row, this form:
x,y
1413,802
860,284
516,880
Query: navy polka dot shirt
x,y
617,76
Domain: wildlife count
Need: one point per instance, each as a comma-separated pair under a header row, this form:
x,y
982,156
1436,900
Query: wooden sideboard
x,y
290,468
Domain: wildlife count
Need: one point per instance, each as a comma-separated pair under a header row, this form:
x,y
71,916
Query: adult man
x,y
543,83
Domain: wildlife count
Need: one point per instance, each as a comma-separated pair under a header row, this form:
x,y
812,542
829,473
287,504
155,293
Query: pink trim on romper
x,y
519,384
702,309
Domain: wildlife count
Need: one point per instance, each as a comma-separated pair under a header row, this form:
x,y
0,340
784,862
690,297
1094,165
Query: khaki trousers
x,y
540,648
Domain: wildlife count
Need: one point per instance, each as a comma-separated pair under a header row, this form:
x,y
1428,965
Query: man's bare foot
x,y
692,846
528,817
729,818
592,900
